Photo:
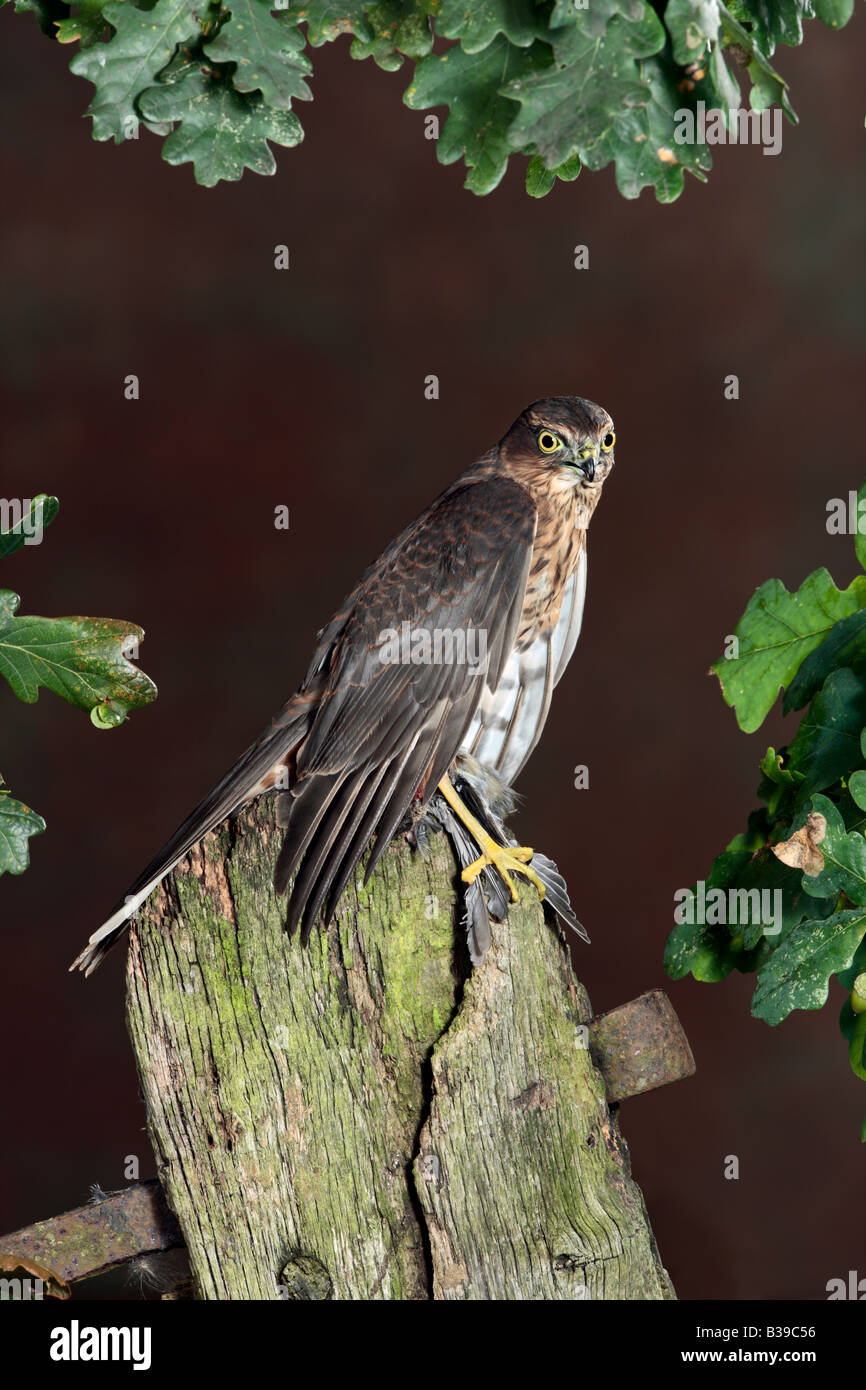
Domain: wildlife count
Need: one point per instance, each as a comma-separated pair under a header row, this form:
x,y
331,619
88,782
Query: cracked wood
x,y
370,1119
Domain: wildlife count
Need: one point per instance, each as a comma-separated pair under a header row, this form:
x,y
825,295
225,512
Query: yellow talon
x,y
506,859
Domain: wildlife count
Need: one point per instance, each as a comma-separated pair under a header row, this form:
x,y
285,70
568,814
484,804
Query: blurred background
x,y
306,388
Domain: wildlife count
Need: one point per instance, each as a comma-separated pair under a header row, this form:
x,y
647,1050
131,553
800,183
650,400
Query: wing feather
x,y
393,729
363,738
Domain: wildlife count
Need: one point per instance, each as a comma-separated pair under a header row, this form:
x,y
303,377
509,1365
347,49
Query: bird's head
x,y
564,440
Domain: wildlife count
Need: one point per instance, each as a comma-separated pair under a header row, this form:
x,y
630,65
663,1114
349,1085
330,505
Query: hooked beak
x,y
586,461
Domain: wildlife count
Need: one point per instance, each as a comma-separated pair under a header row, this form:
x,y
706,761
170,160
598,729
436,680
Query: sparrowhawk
x,y
430,687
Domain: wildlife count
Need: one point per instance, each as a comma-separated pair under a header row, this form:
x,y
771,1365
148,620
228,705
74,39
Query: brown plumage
x,y
375,727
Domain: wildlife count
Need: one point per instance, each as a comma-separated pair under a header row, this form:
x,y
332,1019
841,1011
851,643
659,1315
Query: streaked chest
x,y
510,718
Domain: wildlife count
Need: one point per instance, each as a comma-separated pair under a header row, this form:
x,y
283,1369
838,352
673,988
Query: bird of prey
x,y
430,687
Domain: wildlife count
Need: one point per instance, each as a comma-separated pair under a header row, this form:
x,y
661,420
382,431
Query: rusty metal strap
x,y
639,1046
107,1232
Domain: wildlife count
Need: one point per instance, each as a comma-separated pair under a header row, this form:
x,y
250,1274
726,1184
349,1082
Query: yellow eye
x,y
549,443
608,442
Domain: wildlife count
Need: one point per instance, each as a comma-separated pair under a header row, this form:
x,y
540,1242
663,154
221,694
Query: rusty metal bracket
x,y
110,1231
640,1046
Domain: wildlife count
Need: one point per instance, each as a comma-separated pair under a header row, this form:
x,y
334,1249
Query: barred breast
x,y
509,720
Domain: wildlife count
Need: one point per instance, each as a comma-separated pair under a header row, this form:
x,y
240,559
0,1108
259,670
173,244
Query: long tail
x,y
254,772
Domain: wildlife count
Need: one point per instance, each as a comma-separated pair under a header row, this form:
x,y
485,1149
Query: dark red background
x,y
306,388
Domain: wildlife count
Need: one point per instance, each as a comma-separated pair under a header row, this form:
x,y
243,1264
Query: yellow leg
x,y
506,859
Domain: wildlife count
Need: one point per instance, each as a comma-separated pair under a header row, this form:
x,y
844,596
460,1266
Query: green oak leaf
x,y
540,179
123,68
857,780
327,19
853,1027
851,813
564,10
772,21
771,766
568,171
860,536
80,659
710,951
708,79
476,25
858,965
779,785
767,86
851,1022
768,874
844,858
41,512
776,633
693,25
827,743
720,89
606,91
470,84
765,91
399,29
47,12
593,101
857,788
797,974
845,645
268,51
221,132
86,25
654,159
762,877
18,824
834,13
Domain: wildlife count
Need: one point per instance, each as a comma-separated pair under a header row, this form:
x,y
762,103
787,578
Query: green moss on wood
x,y
289,1092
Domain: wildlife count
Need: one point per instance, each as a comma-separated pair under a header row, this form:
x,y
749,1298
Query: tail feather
x,y
364,816
246,780
329,830
303,812
399,797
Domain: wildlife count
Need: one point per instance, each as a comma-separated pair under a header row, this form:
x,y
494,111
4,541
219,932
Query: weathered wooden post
x,y
371,1118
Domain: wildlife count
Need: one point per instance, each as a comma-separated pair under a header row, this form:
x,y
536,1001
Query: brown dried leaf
x,y
801,851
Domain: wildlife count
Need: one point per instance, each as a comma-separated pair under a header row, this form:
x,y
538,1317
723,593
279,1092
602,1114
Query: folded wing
x,y
369,733
427,628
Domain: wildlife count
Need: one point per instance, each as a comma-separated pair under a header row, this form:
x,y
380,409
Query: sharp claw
x,y
507,852
500,857
472,871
